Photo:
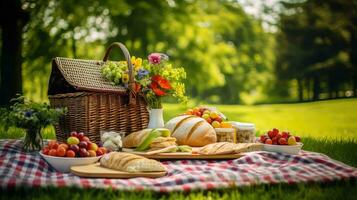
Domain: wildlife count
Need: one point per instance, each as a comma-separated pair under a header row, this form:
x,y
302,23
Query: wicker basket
x,y
93,103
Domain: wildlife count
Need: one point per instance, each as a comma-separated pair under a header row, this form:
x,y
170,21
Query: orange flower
x,y
163,83
156,90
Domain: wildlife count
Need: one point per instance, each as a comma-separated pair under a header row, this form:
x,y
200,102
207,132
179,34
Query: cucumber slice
x,y
164,132
145,144
184,148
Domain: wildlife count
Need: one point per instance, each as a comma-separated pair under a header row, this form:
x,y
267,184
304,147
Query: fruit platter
x,y
78,150
282,142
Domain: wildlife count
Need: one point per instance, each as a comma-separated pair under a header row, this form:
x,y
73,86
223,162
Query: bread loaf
x,y
135,138
191,130
228,148
130,163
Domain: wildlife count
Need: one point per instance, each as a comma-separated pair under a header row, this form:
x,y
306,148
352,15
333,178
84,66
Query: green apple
x,y
205,116
72,140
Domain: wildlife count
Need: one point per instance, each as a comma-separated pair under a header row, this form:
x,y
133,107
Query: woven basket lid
x,y
71,75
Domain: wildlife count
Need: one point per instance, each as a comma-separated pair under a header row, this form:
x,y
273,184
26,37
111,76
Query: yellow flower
x,y
125,78
136,62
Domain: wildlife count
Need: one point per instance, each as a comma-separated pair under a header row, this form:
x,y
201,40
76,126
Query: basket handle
x,y
131,84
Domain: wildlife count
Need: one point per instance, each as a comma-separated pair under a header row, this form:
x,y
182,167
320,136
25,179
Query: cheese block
x,y
191,130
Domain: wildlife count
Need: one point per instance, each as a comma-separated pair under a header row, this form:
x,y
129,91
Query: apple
x,y
92,153
292,140
205,116
74,148
216,124
218,119
72,140
297,138
83,144
70,153
86,139
80,136
99,152
93,146
74,134
65,146
83,152
214,115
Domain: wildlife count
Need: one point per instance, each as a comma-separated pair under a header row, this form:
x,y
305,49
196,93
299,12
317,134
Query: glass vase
x,y
156,118
33,140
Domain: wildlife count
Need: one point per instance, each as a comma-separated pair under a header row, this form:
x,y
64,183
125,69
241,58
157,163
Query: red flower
x,y
156,90
163,83
137,87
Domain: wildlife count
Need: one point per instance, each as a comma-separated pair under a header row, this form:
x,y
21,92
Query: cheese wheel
x,y
191,130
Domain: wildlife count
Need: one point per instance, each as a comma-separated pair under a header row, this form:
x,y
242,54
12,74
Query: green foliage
x,y
27,114
222,58
317,48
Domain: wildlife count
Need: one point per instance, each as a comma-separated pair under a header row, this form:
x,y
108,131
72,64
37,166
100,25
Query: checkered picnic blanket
x,y
18,168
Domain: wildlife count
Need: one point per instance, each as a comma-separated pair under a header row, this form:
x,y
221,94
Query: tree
x,y
12,20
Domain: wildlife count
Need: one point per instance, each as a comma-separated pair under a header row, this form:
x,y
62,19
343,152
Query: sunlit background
x,y
234,52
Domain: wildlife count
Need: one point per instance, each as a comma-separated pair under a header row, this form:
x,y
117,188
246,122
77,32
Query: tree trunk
x,y
300,90
316,88
13,19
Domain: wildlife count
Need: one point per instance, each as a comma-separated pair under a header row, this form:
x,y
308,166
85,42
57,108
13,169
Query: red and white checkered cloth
x,y
18,168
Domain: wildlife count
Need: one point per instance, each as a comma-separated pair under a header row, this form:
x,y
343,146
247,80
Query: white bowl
x,y
63,164
289,149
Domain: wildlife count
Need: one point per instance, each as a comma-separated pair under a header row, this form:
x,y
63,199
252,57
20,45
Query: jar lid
x,y
243,126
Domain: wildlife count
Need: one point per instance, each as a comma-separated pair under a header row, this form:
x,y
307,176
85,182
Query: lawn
x,y
328,127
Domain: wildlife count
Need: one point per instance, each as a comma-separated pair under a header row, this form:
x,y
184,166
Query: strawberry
x,y
275,130
275,140
282,141
285,135
271,134
268,141
263,138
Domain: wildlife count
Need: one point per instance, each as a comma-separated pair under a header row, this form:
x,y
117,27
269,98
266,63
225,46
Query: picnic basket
x,y
93,103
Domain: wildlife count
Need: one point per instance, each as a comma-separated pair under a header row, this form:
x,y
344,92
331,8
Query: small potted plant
x,y
32,117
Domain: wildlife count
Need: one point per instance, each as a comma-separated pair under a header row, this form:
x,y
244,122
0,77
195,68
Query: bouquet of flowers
x,y
32,117
155,77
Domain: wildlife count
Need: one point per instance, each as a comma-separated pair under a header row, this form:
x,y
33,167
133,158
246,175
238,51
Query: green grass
x,y
328,127
335,119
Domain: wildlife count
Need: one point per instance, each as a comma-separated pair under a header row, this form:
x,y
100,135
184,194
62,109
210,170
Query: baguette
x,y
130,163
229,148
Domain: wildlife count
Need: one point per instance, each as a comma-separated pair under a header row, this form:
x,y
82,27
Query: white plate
x,y
63,164
289,149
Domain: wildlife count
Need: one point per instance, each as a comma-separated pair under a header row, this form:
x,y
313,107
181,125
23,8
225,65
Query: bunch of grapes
x,y
114,72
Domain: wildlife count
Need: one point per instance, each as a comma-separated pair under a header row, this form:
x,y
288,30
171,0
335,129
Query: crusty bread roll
x,y
228,148
135,138
191,130
130,163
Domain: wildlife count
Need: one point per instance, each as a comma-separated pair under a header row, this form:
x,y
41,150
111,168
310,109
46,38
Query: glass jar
x,y
245,132
226,135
